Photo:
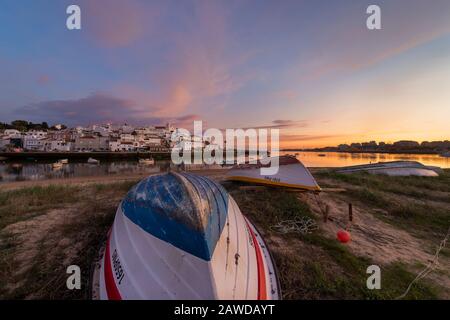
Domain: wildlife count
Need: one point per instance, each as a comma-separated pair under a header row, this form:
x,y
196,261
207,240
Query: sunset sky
x,y
310,68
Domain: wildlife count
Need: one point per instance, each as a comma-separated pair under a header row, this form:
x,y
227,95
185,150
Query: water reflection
x,y
340,159
11,171
38,171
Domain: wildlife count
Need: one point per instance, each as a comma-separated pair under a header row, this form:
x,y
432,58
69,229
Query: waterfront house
x,y
33,143
91,143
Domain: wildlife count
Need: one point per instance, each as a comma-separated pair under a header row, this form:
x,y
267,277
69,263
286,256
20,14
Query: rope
x,y
429,268
302,225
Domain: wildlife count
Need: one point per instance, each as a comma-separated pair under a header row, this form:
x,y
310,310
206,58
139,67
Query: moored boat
x,y
182,236
291,174
93,161
57,165
147,161
64,161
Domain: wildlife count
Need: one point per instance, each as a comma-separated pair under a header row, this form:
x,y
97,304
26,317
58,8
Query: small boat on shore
x,y
93,161
57,165
394,168
445,154
291,174
182,236
64,161
147,161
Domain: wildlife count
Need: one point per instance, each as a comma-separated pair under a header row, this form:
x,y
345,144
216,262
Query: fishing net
x,y
302,225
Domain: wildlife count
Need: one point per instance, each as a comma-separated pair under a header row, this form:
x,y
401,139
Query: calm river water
x,y
19,171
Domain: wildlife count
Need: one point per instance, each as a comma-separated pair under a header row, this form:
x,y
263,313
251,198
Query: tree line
x,y
23,125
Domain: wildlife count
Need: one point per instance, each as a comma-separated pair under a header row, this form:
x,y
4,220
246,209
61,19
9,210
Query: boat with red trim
x,y
182,236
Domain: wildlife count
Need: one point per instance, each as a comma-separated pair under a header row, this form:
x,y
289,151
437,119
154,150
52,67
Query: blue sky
x,y
309,67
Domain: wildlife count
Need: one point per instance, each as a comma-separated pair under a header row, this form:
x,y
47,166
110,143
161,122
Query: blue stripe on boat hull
x,y
161,206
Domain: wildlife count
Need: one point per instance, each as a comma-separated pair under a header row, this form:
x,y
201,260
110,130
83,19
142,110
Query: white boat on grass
x,y
182,236
291,174
395,168
93,161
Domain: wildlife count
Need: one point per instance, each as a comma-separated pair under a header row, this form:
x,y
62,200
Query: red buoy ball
x,y
343,236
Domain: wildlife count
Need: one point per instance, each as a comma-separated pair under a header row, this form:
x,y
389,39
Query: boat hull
x,y
137,264
293,175
395,168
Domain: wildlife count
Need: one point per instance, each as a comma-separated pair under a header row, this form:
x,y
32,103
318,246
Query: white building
x,y
37,133
60,145
32,143
127,137
11,133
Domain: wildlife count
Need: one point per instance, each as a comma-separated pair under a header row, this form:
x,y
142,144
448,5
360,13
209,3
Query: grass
x,y
420,205
85,231
7,250
315,267
48,276
427,188
26,203
269,206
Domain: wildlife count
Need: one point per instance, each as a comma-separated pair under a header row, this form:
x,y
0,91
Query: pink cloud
x,y
199,68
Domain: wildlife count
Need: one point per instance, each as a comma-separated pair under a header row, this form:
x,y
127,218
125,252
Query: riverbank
x,y
398,222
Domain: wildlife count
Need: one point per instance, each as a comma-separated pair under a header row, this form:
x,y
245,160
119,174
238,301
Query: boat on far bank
x,y
64,161
395,168
445,154
147,161
93,161
57,165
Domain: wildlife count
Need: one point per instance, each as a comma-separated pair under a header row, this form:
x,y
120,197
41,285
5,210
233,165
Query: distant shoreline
x,y
365,151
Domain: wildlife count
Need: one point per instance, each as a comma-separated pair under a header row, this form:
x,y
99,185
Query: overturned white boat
x,y
291,174
182,236
395,168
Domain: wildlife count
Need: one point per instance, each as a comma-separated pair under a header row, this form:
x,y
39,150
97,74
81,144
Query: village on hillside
x,y
22,136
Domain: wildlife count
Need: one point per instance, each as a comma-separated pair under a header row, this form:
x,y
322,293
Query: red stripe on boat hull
x,y
110,284
262,291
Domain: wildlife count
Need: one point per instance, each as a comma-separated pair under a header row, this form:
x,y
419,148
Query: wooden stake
x,y
325,216
350,212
